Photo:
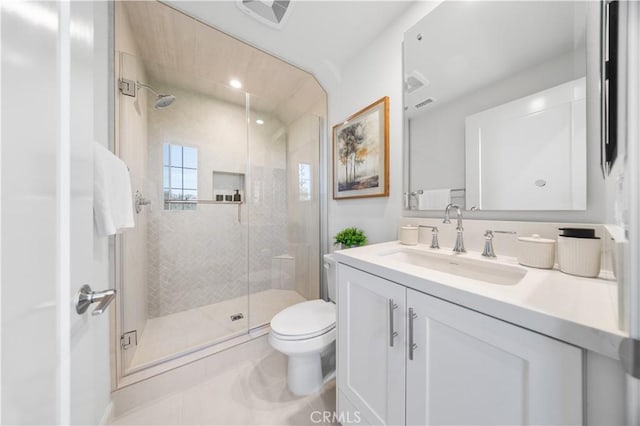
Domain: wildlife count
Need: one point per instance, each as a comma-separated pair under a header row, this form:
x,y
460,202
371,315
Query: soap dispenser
x,y
236,196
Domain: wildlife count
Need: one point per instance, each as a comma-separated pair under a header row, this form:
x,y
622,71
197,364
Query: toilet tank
x,y
331,268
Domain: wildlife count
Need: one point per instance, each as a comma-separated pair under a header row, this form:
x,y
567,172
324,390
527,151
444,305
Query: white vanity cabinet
x,y
371,355
465,367
470,369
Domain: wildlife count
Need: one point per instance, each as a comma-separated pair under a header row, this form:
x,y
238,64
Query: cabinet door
x,y
472,369
370,360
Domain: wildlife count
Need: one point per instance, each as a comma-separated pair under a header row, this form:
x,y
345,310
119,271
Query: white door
x,y
533,148
50,373
370,358
471,369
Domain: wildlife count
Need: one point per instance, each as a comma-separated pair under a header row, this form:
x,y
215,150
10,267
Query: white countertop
x,y
580,311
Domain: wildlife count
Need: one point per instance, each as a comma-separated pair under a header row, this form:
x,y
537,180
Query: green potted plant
x,y
350,237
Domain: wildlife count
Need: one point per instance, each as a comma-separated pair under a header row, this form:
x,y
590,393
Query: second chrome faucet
x,y
434,236
458,247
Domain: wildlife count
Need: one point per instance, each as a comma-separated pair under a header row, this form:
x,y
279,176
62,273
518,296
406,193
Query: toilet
x,y
306,333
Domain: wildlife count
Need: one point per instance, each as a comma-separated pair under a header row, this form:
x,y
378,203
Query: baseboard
x,y
107,416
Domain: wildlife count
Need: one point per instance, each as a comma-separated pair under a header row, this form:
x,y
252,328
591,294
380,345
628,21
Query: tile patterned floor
x,y
171,335
251,393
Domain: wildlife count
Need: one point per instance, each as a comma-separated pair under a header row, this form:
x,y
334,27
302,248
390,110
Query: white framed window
x,y
180,180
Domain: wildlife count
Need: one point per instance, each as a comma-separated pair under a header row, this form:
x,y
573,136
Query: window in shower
x,y
180,167
304,181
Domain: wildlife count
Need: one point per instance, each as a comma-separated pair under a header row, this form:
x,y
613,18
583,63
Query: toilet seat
x,y
304,320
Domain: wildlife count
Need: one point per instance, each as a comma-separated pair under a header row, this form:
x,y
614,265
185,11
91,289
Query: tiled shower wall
x,y
199,257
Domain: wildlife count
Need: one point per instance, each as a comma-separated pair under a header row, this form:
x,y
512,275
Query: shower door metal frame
x,y
323,201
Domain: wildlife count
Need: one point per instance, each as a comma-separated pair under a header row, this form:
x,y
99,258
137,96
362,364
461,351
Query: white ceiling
x,y
318,36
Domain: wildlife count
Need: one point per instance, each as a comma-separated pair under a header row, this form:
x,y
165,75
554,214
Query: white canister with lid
x,y
409,235
536,251
579,256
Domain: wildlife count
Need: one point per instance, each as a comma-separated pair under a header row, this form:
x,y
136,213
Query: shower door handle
x,y
86,297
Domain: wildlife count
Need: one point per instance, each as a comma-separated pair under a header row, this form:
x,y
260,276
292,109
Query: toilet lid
x,y
305,320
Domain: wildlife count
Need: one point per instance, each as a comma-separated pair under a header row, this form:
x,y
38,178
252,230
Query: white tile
x,y
179,379
222,361
325,400
249,393
270,369
171,335
131,397
243,385
295,414
166,411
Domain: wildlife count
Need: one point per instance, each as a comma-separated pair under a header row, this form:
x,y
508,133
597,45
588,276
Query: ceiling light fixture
x,y
235,83
258,121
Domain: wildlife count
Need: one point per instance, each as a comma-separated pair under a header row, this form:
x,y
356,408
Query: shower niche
x,y
228,187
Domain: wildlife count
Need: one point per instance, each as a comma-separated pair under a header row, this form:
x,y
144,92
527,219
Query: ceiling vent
x,y
270,12
414,81
425,102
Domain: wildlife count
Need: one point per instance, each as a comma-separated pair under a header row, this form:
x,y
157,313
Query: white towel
x,y
112,200
434,199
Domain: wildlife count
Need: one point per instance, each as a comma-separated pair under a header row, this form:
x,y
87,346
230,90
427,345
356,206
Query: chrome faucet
x,y
488,242
459,245
434,236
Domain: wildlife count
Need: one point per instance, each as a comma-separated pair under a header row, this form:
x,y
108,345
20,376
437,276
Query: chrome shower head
x,y
162,100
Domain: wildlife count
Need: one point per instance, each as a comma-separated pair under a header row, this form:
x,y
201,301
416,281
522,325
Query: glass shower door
x,y
183,269
283,210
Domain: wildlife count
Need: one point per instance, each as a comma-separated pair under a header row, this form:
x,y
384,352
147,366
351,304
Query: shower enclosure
x,y
227,224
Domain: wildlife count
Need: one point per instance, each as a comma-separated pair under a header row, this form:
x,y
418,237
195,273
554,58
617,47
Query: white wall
x,y
375,72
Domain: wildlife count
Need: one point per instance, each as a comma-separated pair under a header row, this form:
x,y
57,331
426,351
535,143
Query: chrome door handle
x,y
392,334
412,346
86,297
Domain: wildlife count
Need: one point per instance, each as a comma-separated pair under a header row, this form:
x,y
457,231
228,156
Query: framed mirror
x,y
496,115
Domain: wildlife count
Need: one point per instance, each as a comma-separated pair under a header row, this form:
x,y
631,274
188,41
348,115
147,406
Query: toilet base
x,y
304,374
308,373
311,362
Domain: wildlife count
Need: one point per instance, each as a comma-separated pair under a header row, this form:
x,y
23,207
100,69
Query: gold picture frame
x,y
361,153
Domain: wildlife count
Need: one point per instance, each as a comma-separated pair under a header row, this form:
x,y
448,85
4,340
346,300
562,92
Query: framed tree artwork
x,y
361,153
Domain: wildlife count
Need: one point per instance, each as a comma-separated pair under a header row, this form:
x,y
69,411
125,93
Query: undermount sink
x,y
481,270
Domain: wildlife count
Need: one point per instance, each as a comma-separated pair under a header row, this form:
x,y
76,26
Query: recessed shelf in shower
x,y
225,185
